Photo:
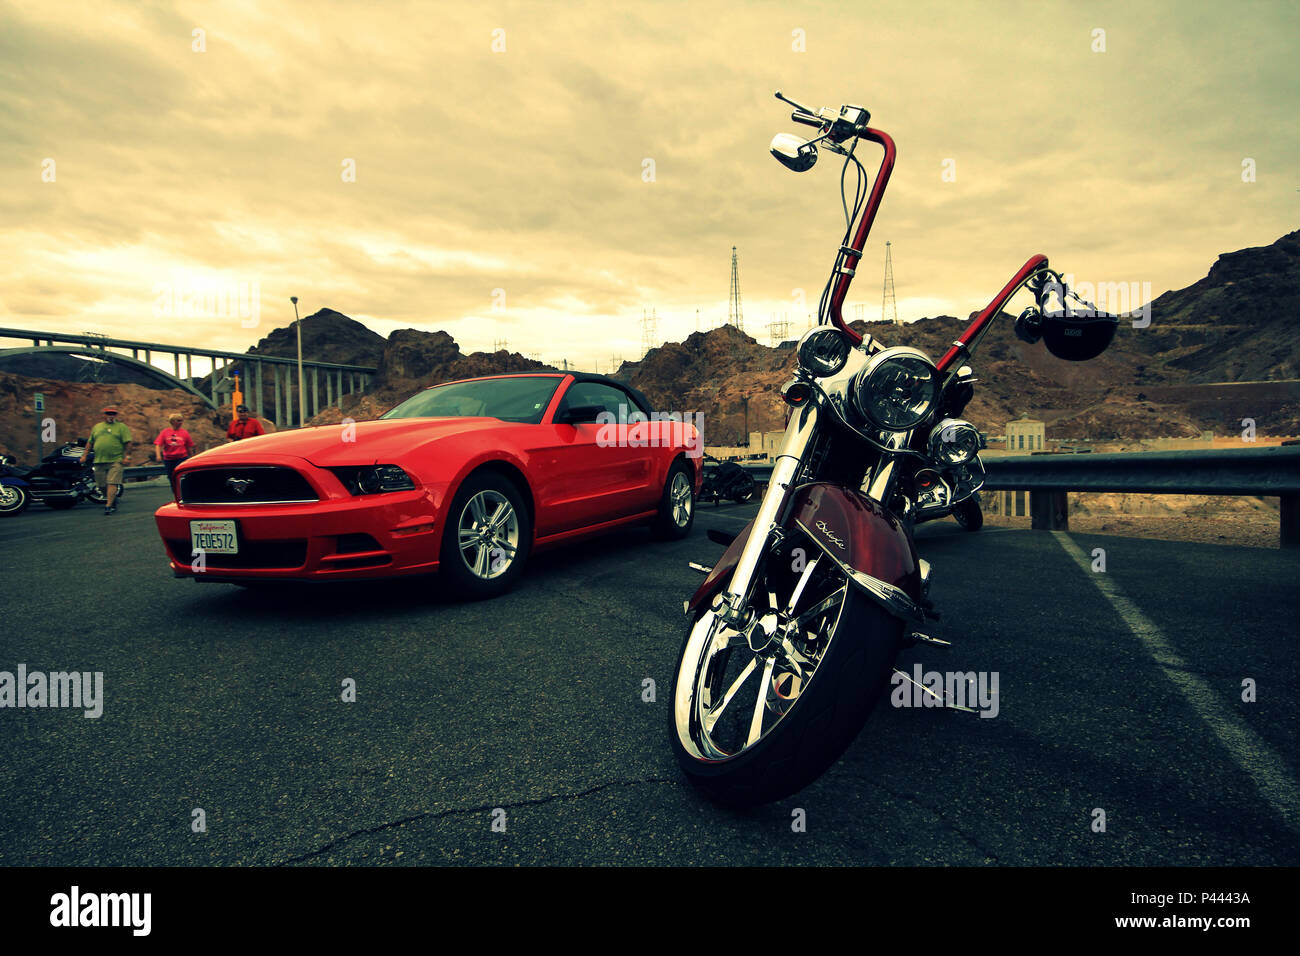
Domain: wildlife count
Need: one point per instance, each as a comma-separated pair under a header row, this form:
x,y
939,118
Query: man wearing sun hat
x,y
110,443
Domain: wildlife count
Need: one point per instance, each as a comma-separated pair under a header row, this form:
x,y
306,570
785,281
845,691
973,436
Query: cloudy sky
x,y
541,173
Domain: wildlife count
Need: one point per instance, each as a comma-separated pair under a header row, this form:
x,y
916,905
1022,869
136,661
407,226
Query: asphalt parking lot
x,y
528,712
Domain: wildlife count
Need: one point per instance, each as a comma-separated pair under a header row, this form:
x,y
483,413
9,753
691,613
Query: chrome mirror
x,y
793,152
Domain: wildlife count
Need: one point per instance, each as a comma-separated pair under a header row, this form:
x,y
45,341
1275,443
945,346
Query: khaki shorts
x,y
110,474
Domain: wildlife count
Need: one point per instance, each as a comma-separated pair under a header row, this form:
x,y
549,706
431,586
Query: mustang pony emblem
x,y
821,526
239,486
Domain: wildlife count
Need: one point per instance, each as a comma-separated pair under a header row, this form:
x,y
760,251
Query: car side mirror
x,y
580,415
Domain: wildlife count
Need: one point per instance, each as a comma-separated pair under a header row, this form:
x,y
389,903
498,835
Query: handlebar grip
x,y
806,120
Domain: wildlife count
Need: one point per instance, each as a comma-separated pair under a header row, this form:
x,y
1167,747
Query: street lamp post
x,y
302,394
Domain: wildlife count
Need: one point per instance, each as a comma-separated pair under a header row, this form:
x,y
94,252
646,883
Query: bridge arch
x,y
151,370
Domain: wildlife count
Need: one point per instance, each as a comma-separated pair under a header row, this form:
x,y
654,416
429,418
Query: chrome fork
x,y
732,607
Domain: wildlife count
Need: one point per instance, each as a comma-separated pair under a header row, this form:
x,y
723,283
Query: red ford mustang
x,y
465,478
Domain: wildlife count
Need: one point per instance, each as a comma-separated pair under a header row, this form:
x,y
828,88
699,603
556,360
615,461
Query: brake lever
x,y
802,109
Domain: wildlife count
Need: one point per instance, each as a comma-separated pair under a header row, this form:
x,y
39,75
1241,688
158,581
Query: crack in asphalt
x,y
483,808
912,798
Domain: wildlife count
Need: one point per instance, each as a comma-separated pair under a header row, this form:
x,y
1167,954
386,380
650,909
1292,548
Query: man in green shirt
x,y
110,443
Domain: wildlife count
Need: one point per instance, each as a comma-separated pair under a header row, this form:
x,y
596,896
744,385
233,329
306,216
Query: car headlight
x,y
897,389
374,479
954,442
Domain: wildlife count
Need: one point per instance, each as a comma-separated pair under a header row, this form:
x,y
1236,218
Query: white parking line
x,y
1266,770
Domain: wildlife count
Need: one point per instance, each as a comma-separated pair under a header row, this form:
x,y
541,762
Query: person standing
x,y
243,426
173,445
110,443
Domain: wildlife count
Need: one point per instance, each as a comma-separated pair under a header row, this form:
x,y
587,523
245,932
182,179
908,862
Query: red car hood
x,y
331,445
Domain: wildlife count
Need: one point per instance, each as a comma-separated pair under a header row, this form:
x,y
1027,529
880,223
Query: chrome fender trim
x,y
893,599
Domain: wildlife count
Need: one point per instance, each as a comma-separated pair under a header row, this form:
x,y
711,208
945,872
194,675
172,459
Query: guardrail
x,y
1049,477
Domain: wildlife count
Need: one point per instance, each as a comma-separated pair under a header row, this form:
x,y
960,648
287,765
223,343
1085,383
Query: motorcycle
x,y
726,479
792,636
60,480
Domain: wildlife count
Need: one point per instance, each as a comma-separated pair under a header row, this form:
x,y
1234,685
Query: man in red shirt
x,y
243,426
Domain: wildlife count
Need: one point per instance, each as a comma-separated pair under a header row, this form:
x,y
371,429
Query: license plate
x,y
214,537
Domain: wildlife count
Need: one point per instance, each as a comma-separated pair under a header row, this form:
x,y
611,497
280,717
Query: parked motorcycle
x,y
60,480
793,634
726,479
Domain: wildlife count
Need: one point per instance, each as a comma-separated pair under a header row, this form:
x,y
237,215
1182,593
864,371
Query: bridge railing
x,y
1049,478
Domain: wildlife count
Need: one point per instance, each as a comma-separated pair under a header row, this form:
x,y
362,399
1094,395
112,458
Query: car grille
x,y
262,485
252,554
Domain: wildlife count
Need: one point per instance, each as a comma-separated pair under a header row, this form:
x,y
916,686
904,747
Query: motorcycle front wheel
x,y
969,514
13,499
750,727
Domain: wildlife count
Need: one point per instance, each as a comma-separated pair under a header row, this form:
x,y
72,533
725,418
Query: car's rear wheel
x,y
677,506
487,537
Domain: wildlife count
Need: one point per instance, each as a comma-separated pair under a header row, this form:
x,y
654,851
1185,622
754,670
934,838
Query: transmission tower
x,y
498,345
734,315
888,300
777,330
649,331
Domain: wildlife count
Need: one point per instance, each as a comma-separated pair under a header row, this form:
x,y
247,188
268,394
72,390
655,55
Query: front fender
x,y
868,543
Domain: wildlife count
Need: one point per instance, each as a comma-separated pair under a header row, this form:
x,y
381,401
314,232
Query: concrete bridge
x,y
270,383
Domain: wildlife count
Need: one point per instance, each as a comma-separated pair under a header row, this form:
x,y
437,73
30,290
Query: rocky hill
x,y
327,336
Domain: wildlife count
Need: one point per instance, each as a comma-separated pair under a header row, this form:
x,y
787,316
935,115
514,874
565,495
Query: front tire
x,y
487,538
13,499
785,729
969,514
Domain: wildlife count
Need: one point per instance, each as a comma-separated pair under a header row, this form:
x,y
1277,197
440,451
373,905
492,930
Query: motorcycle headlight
x,y
897,389
954,442
823,351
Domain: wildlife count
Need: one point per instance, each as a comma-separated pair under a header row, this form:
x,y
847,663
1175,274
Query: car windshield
x,y
509,399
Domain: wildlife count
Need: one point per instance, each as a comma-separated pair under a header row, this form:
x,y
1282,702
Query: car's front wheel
x,y
487,537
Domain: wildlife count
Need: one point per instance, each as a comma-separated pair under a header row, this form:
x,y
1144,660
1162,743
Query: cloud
x,y
606,160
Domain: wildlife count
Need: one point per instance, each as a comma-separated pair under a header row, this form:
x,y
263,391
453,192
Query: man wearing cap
x,y
243,426
173,445
110,443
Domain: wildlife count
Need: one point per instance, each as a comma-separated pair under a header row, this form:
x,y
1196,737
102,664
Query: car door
x,y
596,471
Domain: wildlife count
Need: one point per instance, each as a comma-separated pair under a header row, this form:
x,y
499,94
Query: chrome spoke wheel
x,y
735,686
487,534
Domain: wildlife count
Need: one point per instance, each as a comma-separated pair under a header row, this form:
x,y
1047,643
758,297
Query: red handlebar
x,y
854,255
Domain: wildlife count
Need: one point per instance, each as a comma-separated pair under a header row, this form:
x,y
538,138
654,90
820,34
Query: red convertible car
x,y
465,478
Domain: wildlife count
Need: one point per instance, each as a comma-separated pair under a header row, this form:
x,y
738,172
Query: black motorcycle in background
x,y
60,480
726,480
